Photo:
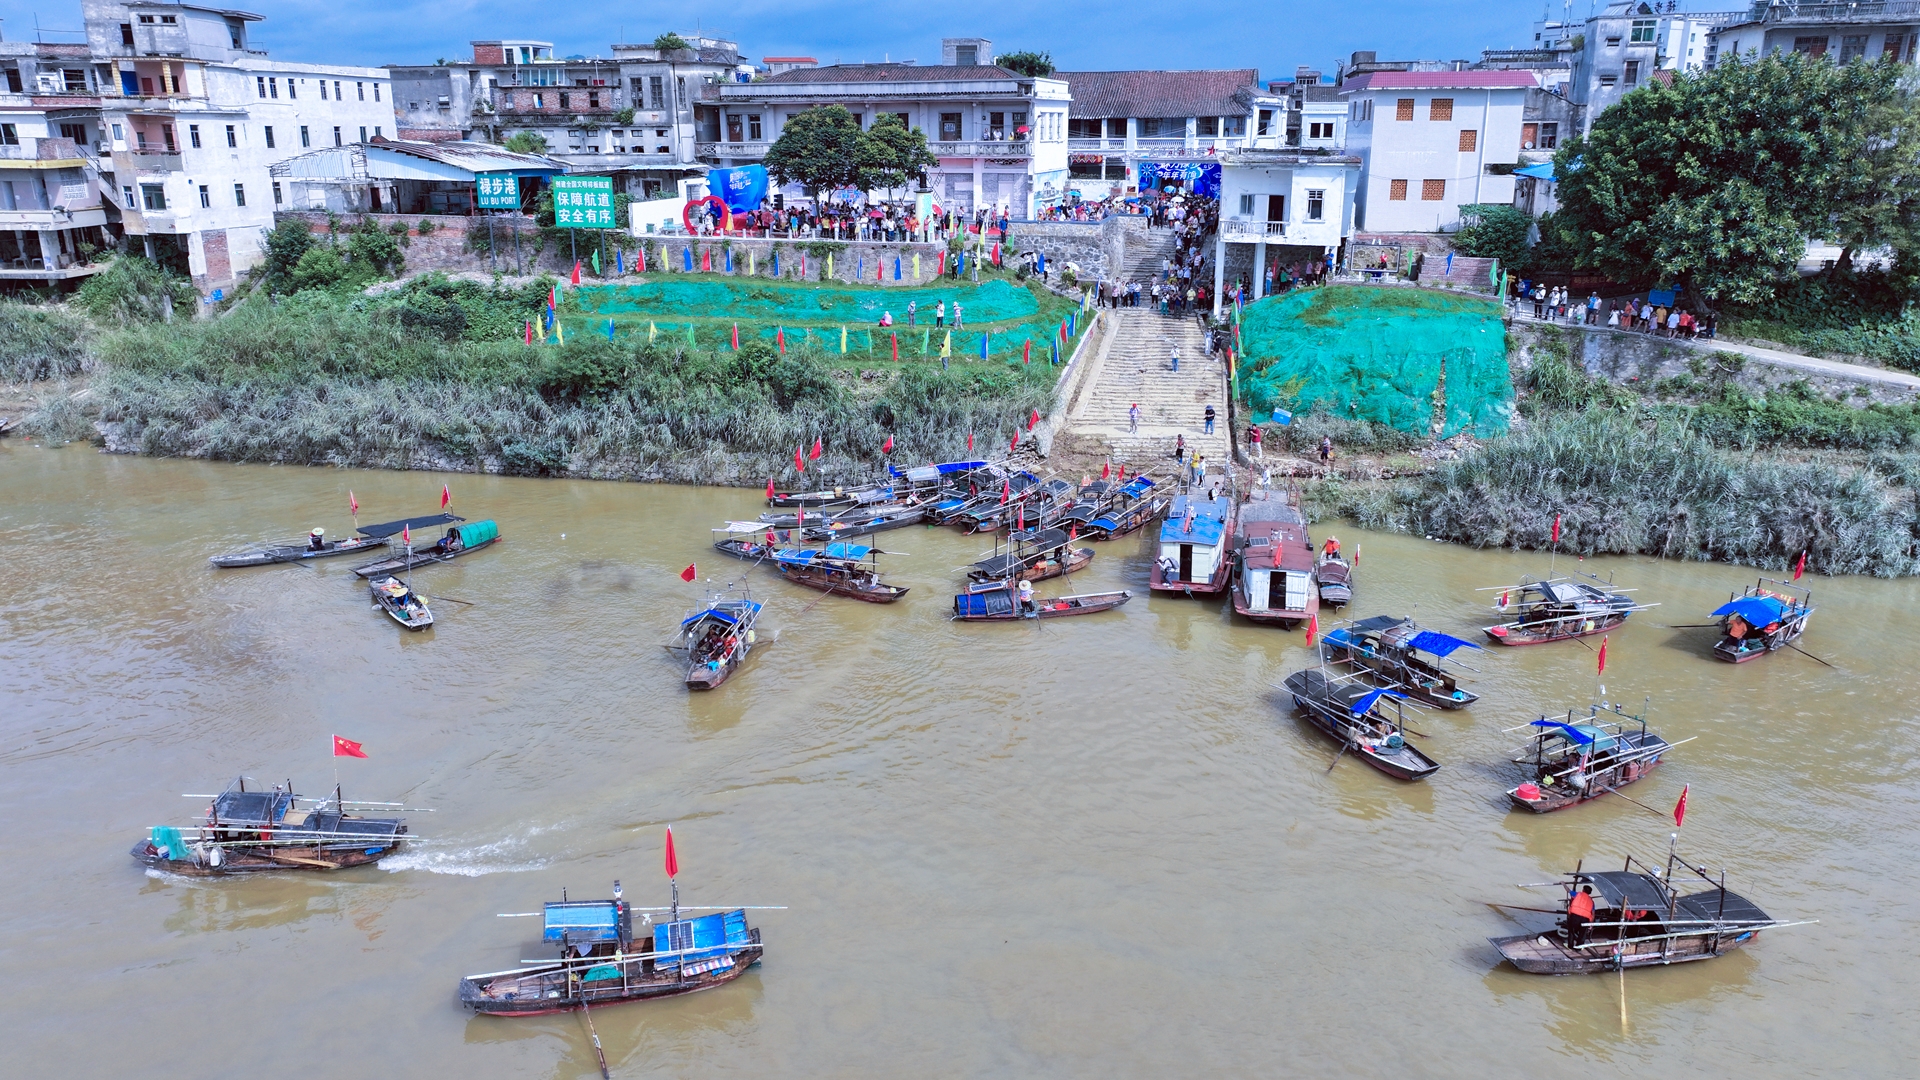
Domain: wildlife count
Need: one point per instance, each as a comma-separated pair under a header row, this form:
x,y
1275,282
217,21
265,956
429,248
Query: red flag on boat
x,y
1016,443
1034,420
1020,518
689,573
353,504
1313,627
799,459
347,748
1680,808
969,442
1556,528
1006,491
1123,474
1800,567
814,454
671,862
1503,600
1106,469
1073,533
1603,655
576,272
445,496
769,487
406,536
887,447
1356,556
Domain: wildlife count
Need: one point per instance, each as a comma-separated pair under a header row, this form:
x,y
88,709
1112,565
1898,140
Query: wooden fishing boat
x,y
990,509
1274,558
246,831
1035,556
1764,617
1640,919
717,637
602,964
1557,609
1334,575
293,552
459,541
1133,505
1352,712
866,523
1194,558
838,496
841,569
1387,651
997,601
402,604
751,540
1568,762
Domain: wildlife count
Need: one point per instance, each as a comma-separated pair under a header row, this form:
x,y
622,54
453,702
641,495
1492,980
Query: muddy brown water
x,y
1089,847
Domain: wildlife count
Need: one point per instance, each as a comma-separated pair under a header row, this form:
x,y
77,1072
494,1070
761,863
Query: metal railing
x,y
1236,229
1832,13
1002,148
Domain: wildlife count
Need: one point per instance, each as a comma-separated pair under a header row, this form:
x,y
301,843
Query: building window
x,y
1811,46
1404,109
593,99
1316,205
193,135
950,126
754,130
261,82
1549,136
153,196
336,136
1852,47
1891,49
363,133
1265,122
1608,80
239,194
337,95
1433,190
1320,131
1440,108
376,91
126,194
323,89
1632,76
270,138
273,88
206,198
277,200
9,135
290,94
361,88
376,132
1208,126
1233,127
1397,190
1643,30
126,34
305,139
1246,204
232,138
146,87
566,100
656,92
1469,140
539,101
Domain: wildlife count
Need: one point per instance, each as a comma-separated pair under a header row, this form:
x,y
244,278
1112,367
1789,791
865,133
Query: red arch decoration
x,y
726,214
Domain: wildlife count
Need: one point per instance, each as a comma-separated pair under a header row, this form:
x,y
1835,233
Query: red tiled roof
x,y
1102,94
1443,80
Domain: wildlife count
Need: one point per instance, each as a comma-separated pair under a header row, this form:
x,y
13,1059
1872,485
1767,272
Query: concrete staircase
x,y
1132,366
1146,255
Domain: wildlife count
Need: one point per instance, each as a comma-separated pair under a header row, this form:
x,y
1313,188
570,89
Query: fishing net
x,y
1369,353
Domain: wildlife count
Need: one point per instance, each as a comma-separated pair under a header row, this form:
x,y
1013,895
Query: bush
x,y
133,290
39,343
1494,231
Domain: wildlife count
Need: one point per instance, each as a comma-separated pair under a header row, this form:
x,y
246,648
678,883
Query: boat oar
x,y
454,600
597,1052
1338,756
1807,654
1692,625
1637,802
1523,907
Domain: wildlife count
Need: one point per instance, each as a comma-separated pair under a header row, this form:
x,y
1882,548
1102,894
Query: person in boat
x,y
1579,915
1026,598
317,540
1332,548
1169,570
452,543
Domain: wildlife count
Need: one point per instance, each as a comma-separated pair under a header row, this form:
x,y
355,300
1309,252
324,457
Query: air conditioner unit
x,y
102,147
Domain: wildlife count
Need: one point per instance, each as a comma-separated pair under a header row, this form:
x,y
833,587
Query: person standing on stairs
x,y
1209,416
1176,359
1179,448
1133,419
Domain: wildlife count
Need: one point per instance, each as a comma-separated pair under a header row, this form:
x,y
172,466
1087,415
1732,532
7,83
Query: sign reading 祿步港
x,y
497,191
583,202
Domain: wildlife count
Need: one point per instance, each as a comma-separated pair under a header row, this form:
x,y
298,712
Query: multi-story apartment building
x,y
1433,141
1866,30
1000,136
184,118
1129,128
631,115
52,214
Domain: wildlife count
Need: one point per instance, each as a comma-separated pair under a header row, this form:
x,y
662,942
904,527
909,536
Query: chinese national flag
x,y
1313,628
814,454
1680,808
1123,474
799,460
672,863
1006,491
406,535
1106,469
1800,567
1034,420
1603,654
888,447
353,504
1556,528
689,573
576,272
969,442
347,748
445,496
769,487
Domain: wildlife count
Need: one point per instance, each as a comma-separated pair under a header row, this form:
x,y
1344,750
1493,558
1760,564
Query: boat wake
x,y
499,857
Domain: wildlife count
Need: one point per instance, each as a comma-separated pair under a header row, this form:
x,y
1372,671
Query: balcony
x,y
1236,230
1090,146
981,148
753,151
154,161
1813,14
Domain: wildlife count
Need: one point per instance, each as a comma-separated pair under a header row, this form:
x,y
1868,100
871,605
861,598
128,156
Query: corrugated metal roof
x,y
472,156
1105,94
1442,80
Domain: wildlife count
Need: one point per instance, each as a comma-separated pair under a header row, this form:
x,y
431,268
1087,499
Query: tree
x,y
1717,179
1034,65
525,142
892,154
818,149
670,42
285,244
1494,231
1879,204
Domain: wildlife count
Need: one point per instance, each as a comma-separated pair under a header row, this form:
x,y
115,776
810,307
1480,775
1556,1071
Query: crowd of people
x,y
1658,316
881,221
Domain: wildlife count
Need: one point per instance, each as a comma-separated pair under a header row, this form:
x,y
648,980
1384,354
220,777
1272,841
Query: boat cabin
x,y
580,927
1276,559
1193,545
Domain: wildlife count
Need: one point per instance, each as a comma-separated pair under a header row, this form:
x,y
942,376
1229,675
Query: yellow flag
x,y
843,337
652,331
559,332
829,265
916,266
946,345
750,265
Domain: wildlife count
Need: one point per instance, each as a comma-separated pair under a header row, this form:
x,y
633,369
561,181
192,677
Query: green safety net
x,y
1370,353
795,304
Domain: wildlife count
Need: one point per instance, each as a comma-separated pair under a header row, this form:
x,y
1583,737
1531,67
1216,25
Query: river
x,y
1092,847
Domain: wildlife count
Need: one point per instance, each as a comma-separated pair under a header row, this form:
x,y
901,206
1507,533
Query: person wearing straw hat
x,y
317,540
1026,599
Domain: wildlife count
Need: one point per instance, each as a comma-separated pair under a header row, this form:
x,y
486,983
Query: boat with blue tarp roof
x,y
717,636
1130,506
839,568
1358,716
1573,760
1393,651
1193,554
1764,617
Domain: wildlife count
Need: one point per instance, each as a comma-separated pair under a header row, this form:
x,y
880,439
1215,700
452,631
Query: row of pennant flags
x,y
802,455
880,267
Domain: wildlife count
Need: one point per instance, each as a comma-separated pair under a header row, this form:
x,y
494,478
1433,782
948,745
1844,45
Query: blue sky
x,y
1273,36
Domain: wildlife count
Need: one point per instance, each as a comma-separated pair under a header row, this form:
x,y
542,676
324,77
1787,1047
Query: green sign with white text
x,y
497,191
583,202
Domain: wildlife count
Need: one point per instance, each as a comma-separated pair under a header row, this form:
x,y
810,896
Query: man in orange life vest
x,y
1579,914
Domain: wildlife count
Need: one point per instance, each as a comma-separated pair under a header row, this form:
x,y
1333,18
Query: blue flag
x,y
609,329
619,262
1073,323
896,268
1053,356
776,264
1449,264
729,260
860,269
686,258
983,346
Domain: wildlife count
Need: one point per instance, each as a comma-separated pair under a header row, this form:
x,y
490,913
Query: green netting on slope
x,y
793,304
1376,354
1003,343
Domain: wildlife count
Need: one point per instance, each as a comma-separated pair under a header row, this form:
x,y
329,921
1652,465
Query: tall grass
x,y
39,342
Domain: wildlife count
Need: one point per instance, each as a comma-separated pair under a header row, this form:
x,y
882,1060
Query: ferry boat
x,y
1194,558
1275,560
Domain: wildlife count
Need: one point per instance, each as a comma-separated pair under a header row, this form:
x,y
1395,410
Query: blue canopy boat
x,y
1132,505
1761,620
1193,547
1352,712
1392,651
1571,761
840,568
717,637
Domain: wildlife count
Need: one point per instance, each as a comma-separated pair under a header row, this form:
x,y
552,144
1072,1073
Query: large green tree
x,y
891,155
1717,180
818,149
1877,202
1494,231
1034,65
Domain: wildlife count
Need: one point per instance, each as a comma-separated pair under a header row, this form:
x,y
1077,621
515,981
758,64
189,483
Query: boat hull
x,y
1546,954
1404,763
1055,608
872,592
1551,800
426,557
1740,650
538,994
1559,630
292,858
276,555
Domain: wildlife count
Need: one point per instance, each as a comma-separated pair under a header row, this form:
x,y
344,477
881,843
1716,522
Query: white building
x,y
188,119
1129,129
1433,141
1887,29
1292,205
52,215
